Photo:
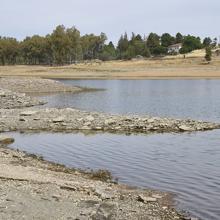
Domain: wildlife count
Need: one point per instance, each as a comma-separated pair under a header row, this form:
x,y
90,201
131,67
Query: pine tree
x,y
208,55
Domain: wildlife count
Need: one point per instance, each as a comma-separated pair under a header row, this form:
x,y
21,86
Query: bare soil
x,y
192,67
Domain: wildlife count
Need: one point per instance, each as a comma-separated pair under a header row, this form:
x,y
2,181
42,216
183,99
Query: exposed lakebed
x,y
186,164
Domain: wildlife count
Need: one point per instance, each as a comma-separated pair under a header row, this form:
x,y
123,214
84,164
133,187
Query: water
x,y
186,164
197,99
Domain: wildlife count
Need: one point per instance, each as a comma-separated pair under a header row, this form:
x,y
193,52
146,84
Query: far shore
x,y
161,68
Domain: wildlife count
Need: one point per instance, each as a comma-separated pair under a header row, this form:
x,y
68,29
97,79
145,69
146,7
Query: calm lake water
x,y
185,164
197,99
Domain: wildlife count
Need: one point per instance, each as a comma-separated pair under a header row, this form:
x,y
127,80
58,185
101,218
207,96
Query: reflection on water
x,y
197,99
186,164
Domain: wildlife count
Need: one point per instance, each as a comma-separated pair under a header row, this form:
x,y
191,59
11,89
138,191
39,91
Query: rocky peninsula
x,y
29,184
36,85
69,120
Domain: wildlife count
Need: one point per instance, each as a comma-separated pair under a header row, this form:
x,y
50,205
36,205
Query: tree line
x,y
66,46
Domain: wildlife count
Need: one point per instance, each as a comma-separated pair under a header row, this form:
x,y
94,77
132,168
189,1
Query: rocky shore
x,y
68,120
14,116
9,100
32,188
36,85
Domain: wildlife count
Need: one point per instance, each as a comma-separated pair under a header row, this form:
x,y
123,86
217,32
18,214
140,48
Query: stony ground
x,y
9,100
68,120
31,188
35,85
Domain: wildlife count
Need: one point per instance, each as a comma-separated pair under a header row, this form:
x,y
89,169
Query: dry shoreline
x,y
29,184
164,68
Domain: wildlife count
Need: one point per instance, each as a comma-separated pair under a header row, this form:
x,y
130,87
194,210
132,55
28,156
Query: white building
x,y
175,48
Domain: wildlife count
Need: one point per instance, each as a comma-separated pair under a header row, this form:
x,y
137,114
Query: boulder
x,y
147,199
90,118
185,128
109,121
58,119
27,113
6,140
106,211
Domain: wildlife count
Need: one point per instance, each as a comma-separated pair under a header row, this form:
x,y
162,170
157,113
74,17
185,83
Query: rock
x,y
102,194
144,199
28,113
56,197
90,118
36,119
109,121
2,94
185,128
151,120
85,128
68,188
6,140
106,211
87,123
98,128
58,119
157,196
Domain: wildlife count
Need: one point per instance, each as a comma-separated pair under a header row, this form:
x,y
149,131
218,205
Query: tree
x,y
136,46
207,42
153,41
34,50
146,52
214,42
108,52
9,50
123,45
208,55
159,50
92,45
60,44
179,38
190,43
75,49
167,40
66,46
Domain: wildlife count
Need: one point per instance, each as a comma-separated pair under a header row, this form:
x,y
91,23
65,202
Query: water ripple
x,y
187,165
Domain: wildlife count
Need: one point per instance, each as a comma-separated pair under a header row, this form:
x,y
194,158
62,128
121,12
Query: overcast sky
x,y
20,18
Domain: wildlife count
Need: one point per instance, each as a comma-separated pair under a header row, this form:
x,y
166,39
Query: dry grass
x,y
193,66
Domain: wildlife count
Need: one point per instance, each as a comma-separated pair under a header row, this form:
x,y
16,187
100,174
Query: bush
x,y
208,54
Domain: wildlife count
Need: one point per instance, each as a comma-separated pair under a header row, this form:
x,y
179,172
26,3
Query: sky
x,y
28,17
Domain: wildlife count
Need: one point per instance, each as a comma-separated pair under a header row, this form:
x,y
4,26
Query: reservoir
x,y
185,164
